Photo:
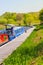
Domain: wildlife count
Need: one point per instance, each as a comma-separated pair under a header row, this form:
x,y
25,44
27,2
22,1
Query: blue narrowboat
x,y
10,33
14,32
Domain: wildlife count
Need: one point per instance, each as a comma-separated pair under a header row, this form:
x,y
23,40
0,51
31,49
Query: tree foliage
x,y
41,16
3,21
30,18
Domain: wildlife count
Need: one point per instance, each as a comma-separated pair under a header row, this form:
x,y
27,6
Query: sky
x,y
22,6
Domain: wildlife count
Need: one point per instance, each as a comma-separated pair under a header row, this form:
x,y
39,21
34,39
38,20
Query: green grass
x,y
30,52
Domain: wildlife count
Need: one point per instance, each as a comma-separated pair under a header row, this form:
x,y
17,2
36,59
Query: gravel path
x,y
8,48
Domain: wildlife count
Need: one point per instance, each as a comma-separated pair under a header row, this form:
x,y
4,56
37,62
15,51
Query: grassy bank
x,y
30,52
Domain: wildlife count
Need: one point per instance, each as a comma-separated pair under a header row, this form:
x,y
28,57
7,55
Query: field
x,y
30,52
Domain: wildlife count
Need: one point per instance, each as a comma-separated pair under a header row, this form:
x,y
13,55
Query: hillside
x,y
20,18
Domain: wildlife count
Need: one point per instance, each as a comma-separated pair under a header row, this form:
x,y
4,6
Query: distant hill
x,y
20,18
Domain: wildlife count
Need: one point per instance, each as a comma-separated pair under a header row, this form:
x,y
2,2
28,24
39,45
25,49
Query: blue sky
x,y
20,5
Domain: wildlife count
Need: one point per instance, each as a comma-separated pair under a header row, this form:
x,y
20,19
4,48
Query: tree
x,y
3,21
13,16
27,19
25,22
41,16
7,15
19,18
11,21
